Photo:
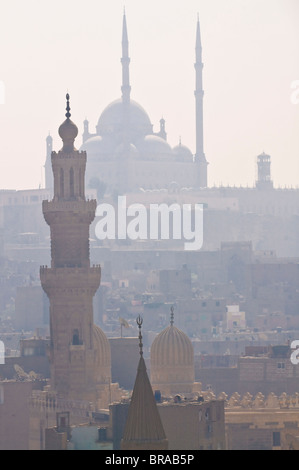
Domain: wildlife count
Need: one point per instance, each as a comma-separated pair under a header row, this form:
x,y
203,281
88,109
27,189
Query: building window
x,y
76,339
276,439
280,365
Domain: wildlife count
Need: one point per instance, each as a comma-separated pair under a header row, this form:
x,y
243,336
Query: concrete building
x,y
262,422
14,414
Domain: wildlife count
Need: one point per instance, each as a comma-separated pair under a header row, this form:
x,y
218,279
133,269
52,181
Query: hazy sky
x,y
251,59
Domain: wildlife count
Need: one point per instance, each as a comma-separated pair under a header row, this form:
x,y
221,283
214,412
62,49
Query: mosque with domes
x,y
125,154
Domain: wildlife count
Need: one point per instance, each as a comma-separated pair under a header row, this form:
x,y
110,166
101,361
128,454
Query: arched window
x,y
80,183
76,338
72,189
61,177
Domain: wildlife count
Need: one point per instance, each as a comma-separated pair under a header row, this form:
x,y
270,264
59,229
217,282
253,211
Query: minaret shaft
x,y
125,61
199,94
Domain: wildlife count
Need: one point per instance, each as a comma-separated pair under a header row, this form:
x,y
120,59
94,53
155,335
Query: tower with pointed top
x,y
125,61
200,158
79,351
143,429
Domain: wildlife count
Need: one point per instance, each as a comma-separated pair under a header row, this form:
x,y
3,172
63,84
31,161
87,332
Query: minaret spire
x,y
199,93
125,61
143,428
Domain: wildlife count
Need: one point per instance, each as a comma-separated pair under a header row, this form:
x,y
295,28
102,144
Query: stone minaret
x,y
200,158
79,351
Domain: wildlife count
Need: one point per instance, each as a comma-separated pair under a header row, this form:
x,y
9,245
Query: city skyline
x,y
250,63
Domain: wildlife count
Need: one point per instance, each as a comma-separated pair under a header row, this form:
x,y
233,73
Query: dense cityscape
x,y
141,306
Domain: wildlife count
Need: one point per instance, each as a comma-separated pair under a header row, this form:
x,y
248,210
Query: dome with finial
x,y
172,356
182,153
68,131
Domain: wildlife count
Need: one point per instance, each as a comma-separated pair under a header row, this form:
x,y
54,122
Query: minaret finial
x,y
139,322
171,315
68,114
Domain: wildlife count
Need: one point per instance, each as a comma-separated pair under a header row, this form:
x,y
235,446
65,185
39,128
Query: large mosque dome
x,y
111,120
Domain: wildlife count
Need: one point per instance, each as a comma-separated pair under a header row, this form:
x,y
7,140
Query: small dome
x,y
68,131
172,347
95,145
153,146
172,357
182,153
120,151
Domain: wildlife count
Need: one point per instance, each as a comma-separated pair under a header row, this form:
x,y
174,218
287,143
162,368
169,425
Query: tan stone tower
x,y
79,350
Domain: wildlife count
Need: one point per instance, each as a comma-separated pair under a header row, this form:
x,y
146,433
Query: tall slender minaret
x,y
79,351
125,61
123,172
200,158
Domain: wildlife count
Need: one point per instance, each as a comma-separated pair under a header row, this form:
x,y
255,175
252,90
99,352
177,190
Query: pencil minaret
x,y
200,158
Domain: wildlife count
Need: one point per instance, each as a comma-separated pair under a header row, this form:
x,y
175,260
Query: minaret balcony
x,y
72,280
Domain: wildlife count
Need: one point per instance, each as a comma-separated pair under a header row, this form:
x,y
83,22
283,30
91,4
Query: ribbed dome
x,y
172,347
102,355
